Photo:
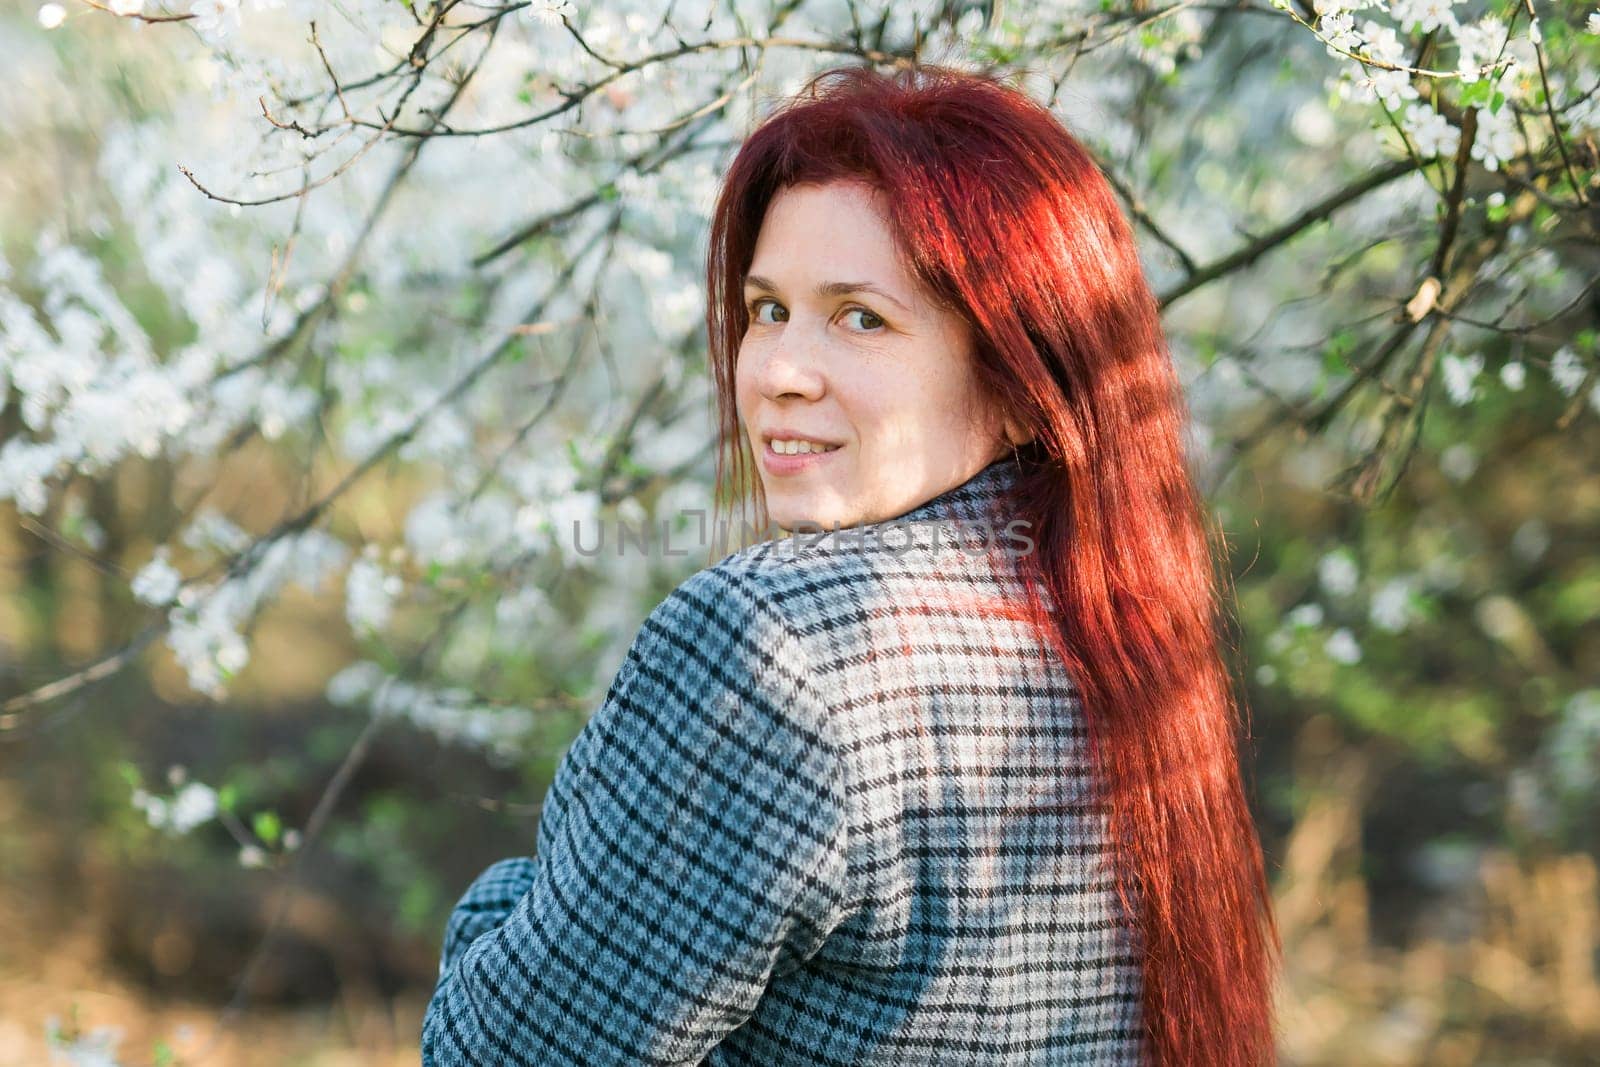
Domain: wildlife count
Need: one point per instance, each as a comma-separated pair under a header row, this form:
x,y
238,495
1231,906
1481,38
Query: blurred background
x,y
320,324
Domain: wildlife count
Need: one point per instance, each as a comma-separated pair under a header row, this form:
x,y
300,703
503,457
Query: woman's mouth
x,y
793,455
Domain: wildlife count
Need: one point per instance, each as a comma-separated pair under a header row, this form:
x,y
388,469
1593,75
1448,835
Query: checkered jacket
x,y
832,811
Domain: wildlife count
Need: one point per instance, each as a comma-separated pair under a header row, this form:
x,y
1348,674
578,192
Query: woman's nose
x,y
788,371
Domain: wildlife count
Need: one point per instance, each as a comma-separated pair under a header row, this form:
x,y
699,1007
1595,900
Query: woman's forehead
x,y
829,236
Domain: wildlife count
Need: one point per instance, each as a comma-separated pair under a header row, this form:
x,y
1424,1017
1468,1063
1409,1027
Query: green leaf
x,y
130,774
267,826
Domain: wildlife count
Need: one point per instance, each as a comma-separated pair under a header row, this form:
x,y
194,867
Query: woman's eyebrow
x,y
757,281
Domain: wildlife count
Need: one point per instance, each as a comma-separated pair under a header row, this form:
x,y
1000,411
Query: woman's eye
x,y
870,322
755,306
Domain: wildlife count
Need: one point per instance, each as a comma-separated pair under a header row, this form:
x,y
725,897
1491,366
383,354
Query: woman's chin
x,y
803,522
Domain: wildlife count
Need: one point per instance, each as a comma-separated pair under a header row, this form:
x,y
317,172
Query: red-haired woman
x,y
955,781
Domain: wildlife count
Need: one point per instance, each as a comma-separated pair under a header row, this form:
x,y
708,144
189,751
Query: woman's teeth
x,y
795,448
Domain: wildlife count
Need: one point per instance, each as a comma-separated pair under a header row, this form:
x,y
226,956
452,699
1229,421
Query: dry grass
x,y
1505,974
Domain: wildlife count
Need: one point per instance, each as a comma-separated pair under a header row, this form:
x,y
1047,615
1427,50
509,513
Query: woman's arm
x,y
700,850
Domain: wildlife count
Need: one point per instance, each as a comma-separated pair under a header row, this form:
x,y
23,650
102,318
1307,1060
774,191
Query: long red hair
x,y
1003,215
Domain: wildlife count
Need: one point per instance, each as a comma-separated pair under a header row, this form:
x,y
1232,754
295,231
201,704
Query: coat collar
x,y
972,499
941,520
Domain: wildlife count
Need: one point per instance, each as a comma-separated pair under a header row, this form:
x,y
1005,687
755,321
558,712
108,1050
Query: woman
x,y
904,792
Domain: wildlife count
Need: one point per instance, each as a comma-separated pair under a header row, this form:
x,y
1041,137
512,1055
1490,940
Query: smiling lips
x,y
795,447
790,453
788,442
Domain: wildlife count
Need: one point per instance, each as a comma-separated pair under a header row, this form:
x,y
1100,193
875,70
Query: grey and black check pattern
x,y
831,812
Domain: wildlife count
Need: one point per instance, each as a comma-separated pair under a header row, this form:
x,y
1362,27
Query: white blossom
x,y
1459,375
127,7
433,533
126,411
353,682
47,376
575,516
205,630
205,637
1391,607
1496,141
1458,462
1430,132
1423,15
280,406
1565,370
369,595
97,1048
521,609
215,19
1383,43
1338,573
25,469
1393,87
1338,29
1514,375
51,15
548,12
157,582
214,532
1341,646
193,804
1368,82
450,713
1593,23
1308,614
1479,42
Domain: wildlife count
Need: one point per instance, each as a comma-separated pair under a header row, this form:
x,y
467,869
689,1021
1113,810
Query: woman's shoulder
x,y
793,576
733,608
740,622
818,584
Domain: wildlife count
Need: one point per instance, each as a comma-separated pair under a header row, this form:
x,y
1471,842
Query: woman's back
x,y
832,811
983,925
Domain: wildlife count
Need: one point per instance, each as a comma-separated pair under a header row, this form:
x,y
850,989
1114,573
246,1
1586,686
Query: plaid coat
x,y
832,811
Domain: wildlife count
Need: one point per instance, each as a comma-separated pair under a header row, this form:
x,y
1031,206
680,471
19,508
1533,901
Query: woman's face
x,y
845,349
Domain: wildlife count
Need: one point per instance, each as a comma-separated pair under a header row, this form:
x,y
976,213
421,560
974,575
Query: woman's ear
x,y
1016,432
